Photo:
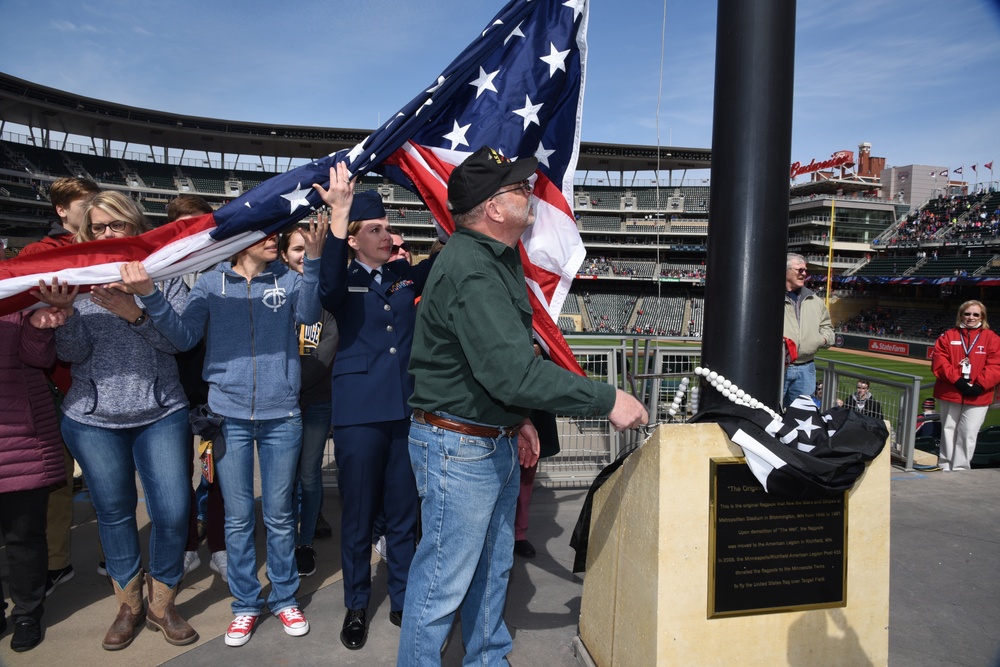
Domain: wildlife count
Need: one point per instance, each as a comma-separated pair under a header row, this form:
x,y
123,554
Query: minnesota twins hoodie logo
x,y
274,298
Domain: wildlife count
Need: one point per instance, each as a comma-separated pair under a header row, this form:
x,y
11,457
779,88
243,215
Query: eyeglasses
x,y
523,185
972,314
97,228
802,272
402,246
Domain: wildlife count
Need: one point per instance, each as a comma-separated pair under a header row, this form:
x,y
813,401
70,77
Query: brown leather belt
x,y
422,417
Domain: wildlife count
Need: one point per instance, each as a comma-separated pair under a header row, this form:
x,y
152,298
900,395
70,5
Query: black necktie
x,y
377,276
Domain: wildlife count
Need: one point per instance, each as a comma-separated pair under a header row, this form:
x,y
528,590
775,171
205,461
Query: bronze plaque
x,y
770,554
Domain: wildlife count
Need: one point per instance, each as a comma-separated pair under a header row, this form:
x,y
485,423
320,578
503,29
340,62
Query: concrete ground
x,y
944,593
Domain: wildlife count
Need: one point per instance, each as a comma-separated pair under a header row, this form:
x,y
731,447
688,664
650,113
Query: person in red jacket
x,y
30,462
966,363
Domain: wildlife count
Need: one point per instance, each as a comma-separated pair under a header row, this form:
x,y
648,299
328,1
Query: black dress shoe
x,y
27,635
396,618
524,549
355,632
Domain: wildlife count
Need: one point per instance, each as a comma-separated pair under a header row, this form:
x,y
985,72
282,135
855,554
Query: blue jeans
x,y
278,445
161,453
315,430
799,381
469,488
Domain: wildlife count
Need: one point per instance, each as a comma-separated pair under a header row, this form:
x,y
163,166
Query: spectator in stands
x,y
125,413
929,421
373,301
317,347
247,310
475,375
69,197
807,324
31,461
966,363
863,401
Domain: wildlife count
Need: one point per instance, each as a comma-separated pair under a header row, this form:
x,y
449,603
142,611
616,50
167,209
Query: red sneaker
x,y
240,630
295,623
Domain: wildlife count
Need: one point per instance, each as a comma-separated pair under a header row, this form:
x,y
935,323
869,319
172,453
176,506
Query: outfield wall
x,y
899,348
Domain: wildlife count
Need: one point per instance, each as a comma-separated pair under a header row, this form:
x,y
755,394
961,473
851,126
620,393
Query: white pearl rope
x,y
726,387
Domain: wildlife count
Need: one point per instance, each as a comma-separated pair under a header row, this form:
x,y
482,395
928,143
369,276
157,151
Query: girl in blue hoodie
x,y
247,310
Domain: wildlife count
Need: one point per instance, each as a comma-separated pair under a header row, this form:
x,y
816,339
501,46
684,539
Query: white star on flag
x,y
806,426
433,89
529,112
542,154
457,135
297,197
515,33
577,6
484,82
555,60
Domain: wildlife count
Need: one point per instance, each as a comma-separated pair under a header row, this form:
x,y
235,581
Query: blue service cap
x,y
367,205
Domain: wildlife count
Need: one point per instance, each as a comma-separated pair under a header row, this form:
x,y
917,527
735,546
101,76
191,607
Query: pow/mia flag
x,y
803,453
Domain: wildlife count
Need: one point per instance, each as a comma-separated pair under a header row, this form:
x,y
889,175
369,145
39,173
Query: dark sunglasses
x,y
972,314
402,246
802,272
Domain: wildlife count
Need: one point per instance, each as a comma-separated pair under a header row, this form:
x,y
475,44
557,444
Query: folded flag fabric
x,y
804,452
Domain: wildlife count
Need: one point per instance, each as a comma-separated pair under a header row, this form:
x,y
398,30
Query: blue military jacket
x,y
370,382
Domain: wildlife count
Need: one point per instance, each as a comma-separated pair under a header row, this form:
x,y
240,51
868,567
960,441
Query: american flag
x,y
518,87
803,452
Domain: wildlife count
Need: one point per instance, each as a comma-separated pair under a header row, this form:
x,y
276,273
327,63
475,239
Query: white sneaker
x,y
240,630
380,548
191,561
220,563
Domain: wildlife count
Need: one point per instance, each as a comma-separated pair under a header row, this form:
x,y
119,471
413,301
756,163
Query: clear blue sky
x,y
915,78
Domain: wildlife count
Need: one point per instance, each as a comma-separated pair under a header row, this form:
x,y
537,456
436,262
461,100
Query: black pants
x,y
22,524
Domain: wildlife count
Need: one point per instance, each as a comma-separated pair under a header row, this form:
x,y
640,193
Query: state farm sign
x,y
888,347
838,159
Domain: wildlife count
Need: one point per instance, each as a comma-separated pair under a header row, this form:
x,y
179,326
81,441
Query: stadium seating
x,y
961,265
887,266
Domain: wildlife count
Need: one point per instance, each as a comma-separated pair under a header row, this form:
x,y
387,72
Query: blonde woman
x,y
126,413
966,363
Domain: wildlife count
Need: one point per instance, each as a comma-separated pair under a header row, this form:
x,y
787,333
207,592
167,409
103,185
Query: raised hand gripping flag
x,y
518,88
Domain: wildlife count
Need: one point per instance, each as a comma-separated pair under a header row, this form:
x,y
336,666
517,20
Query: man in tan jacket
x,y
807,324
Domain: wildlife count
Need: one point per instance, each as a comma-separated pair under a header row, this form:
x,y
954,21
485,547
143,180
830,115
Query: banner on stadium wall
x,y
908,349
889,347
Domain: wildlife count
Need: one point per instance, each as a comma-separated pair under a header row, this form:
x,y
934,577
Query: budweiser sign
x,y
838,159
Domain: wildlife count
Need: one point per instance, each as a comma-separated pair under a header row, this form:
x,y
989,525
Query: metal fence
x,y
652,369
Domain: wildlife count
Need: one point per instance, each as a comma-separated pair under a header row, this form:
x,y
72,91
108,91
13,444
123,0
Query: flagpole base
x,y
649,587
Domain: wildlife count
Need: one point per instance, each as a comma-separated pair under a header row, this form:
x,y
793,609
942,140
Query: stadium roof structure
x,y
54,111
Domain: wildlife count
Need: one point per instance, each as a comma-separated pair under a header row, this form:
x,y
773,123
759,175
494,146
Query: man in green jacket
x,y
476,379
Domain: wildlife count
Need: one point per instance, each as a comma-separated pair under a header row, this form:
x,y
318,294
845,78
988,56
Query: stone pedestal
x,y
645,594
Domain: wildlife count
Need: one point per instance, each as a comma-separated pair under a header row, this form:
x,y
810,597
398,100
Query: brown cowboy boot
x,y
163,616
131,614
